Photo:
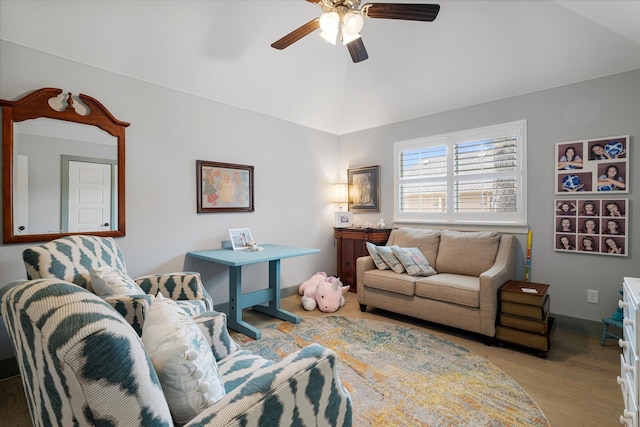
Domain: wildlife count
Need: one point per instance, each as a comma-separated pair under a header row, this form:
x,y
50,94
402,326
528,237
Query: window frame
x,y
499,131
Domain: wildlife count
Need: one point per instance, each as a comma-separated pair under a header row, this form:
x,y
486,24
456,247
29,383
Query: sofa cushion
x,y
427,240
107,280
465,252
453,288
375,256
386,253
413,261
389,281
182,358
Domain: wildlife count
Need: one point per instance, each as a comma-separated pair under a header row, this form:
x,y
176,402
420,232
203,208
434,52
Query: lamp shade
x,y
340,193
352,23
348,38
330,25
330,22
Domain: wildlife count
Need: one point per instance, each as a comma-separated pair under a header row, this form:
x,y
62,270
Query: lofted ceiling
x,y
474,52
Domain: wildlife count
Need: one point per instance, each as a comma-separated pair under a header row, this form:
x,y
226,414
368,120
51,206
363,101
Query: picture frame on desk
x,y
223,187
344,219
240,238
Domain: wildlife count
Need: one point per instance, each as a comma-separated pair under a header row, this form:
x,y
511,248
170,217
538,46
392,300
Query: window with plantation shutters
x,y
473,176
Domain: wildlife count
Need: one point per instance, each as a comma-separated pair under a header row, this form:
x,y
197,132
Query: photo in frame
x,y
592,226
344,219
240,238
224,187
593,166
364,189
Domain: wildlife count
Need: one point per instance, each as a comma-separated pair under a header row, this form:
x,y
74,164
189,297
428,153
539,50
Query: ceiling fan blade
x,y
357,50
297,34
314,1
409,12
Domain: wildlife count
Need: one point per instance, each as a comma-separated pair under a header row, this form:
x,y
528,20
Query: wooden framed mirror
x,y
63,168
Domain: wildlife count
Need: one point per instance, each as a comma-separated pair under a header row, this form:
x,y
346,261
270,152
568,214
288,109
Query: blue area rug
x,y
402,376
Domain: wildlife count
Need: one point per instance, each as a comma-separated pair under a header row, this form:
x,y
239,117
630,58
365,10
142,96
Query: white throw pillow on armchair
x,y
182,359
107,280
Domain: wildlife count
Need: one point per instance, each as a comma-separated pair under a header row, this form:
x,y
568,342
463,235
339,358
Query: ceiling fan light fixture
x,y
330,37
348,38
330,26
345,19
330,22
352,23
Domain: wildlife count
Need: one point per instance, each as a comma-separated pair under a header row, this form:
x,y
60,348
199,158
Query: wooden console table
x,y
237,300
351,245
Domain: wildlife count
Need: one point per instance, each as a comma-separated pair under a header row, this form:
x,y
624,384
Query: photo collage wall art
x,y
593,166
592,226
591,172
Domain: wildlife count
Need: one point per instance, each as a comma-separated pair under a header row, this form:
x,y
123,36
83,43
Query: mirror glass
x,y
64,177
63,167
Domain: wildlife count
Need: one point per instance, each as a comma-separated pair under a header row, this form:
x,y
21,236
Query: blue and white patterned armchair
x,y
83,365
72,258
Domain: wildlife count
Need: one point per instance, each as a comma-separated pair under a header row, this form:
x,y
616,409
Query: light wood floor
x,y
574,386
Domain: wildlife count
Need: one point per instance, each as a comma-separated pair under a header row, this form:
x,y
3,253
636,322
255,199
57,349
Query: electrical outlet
x,y
592,296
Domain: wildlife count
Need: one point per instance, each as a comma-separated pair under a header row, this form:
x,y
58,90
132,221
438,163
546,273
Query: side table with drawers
x,y
351,245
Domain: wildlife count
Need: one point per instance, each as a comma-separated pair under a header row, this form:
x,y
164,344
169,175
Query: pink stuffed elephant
x,y
323,292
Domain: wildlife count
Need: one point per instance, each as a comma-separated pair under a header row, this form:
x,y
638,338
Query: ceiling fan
x,y
343,19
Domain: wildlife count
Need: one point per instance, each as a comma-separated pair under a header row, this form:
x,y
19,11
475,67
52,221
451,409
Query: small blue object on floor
x,y
610,321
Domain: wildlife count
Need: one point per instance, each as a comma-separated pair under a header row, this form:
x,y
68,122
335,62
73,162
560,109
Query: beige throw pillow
x,y
425,239
466,252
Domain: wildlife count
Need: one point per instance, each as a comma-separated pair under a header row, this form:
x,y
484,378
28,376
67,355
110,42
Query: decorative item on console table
x,y
351,245
524,318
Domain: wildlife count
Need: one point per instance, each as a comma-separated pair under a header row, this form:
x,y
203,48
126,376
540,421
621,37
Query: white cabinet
x,y
629,378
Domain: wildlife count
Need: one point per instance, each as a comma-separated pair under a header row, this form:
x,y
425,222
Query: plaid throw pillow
x,y
413,261
375,256
386,252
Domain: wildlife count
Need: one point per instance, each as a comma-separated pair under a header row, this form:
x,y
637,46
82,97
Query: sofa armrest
x,y
133,308
301,389
491,280
213,325
177,286
363,264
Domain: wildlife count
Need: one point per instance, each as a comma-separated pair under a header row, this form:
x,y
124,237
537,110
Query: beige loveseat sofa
x,y
470,266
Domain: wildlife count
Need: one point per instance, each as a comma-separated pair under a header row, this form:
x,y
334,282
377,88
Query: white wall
x,y
294,167
603,107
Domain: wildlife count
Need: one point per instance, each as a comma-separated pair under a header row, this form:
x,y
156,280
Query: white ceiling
x,y
475,51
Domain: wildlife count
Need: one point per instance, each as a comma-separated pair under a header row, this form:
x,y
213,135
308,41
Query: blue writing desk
x,y
237,300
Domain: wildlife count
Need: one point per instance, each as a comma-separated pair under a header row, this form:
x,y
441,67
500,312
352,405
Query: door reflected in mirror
x,y
64,178
63,167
